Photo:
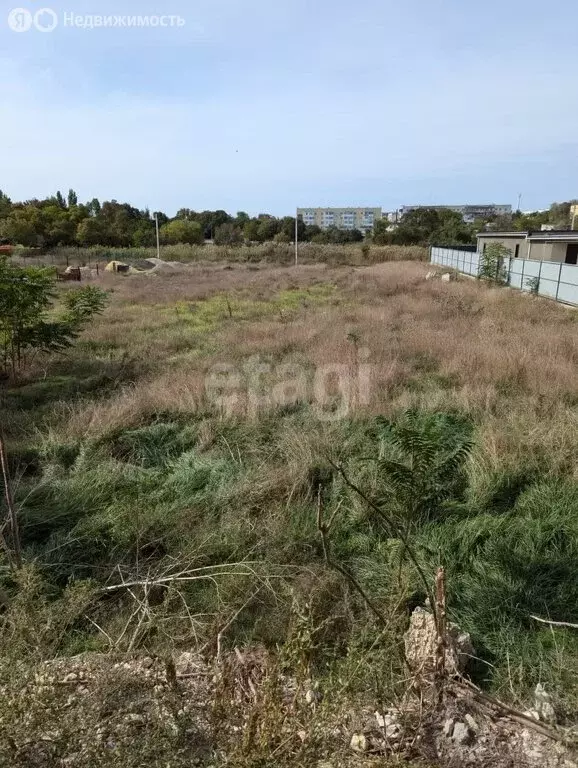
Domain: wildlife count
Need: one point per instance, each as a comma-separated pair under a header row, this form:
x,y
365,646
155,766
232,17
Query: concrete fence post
x,y
558,283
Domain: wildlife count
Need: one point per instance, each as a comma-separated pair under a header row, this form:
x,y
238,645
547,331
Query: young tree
x,y
493,263
26,321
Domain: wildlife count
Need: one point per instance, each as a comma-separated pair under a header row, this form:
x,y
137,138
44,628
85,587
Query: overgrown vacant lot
x,y
196,434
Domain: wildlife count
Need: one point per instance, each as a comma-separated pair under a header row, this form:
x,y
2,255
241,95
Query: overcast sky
x,y
263,105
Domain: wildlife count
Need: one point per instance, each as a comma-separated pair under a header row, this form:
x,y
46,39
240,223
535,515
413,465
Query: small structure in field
x,y
71,274
118,267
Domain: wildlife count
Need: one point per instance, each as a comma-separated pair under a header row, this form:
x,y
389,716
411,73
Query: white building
x,y
343,218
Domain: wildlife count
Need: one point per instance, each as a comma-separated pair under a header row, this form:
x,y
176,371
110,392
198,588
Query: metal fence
x,y
545,278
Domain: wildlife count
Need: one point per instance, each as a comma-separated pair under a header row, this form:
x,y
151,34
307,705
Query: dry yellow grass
x,y
509,359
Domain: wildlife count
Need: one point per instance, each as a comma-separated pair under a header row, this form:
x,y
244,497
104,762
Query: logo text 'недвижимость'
x,y
47,20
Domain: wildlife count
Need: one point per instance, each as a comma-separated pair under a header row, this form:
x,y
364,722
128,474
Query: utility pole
x,y
158,236
296,236
520,202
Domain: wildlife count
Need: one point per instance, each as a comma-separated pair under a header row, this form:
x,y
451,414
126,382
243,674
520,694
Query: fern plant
x,y
422,465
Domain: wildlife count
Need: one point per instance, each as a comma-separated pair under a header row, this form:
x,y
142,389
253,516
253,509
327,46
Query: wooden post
x,y
441,628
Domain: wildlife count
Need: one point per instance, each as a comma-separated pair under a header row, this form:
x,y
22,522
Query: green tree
x,y
336,236
211,221
94,206
267,229
426,226
559,215
523,222
228,234
72,198
451,230
59,227
90,232
145,235
186,213
182,231
26,226
5,205
27,323
310,231
493,263
251,230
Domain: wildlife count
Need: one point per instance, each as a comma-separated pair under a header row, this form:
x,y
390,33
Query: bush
x,y
493,263
26,322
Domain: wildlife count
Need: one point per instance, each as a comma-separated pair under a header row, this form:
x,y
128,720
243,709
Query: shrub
x,y
26,298
493,263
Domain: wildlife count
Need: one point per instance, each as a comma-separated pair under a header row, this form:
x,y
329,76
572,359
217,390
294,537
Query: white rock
x,y
421,645
446,278
186,663
358,742
449,728
312,697
540,694
462,734
543,704
471,723
393,732
548,714
380,719
132,717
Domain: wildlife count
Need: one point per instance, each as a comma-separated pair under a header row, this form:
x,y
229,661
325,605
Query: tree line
x,y
63,221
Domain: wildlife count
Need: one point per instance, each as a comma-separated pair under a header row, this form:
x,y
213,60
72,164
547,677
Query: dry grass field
x,y
508,359
197,423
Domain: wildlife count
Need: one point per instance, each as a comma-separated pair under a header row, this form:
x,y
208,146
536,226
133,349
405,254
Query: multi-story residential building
x,y
469,212
343,218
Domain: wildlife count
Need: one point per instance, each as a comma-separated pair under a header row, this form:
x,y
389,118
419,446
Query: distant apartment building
x,y
343,218
469,213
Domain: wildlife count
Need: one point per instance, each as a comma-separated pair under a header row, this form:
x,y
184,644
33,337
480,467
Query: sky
x,y
266,105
